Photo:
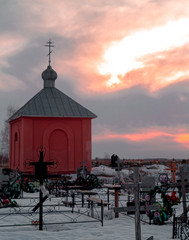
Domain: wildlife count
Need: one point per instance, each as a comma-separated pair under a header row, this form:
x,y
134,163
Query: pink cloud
x,y
142,136
94,25
182,139
179,136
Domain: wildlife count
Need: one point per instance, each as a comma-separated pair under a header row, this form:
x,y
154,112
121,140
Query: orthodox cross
x,y
173,169
137,208
41,174
184,185
49,45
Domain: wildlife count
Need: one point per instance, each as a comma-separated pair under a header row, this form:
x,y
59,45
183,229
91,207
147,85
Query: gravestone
x,y
148,183
185,171
3,178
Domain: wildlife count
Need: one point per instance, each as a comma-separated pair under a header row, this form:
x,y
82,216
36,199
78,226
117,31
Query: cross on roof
x,y
49,45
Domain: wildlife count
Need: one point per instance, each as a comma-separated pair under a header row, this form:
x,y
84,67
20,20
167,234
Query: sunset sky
x,y
125,60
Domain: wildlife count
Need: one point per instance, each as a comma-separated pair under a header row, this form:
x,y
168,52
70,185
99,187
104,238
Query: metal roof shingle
x,y
51,102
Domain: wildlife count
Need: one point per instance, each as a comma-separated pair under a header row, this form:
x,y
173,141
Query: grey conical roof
x,y
51,102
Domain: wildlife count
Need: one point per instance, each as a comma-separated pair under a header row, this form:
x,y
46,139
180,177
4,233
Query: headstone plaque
x,y
148,182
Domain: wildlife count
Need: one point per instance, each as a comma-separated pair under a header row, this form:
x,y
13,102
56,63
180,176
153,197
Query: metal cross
x,y
49,45
84,166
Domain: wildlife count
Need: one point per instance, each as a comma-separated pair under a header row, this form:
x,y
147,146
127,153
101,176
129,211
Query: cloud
x,y
83,32
147,143
144,114
136,137
137,118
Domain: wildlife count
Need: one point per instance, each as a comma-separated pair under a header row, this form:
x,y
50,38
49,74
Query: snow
x,y
121,228
113,229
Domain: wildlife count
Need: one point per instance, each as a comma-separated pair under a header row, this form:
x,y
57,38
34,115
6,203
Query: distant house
x,y
54,121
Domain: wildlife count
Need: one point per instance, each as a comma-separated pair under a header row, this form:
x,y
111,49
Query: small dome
x,y
49,76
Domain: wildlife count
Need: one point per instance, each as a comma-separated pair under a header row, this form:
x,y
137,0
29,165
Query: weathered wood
x,y
137,204
98,201
133,208
133,204
183,193
137,208
85,192
116,189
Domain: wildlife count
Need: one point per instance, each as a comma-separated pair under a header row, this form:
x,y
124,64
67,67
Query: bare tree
x,y
4,134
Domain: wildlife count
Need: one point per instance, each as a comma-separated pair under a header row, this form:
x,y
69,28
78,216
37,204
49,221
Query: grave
x,y
137,208
41,174
185,171
4,178
83,170
148,183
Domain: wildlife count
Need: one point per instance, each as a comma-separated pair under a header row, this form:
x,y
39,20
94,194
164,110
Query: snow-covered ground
x,y
122,228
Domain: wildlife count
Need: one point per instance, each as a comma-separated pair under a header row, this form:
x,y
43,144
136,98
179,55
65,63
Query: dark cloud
x,y
136,108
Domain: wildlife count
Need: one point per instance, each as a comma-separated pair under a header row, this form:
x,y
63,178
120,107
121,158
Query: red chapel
x,y
54,121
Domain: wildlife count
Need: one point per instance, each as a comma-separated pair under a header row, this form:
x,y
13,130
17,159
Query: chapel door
x,y
58,150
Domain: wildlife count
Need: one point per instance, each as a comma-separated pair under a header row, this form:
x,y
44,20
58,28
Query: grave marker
x,y
137,208
173,169
41,174
183,184
82,169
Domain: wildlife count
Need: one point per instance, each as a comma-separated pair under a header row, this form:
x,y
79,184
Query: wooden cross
x,y
183,185
137,208
173,169
183,193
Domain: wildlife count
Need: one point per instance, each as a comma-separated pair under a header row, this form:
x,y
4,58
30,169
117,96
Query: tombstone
x,y
185,171
148,183
3,178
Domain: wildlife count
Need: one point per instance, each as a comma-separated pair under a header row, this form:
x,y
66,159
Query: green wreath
x,y
164,212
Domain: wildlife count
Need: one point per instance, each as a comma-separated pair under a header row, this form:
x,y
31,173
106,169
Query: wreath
x,y
164,212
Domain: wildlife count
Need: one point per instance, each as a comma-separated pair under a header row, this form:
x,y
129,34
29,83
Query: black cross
x,y
41,174
49,45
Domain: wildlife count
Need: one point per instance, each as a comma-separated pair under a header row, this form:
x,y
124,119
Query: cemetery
x,y
51,182
151,200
